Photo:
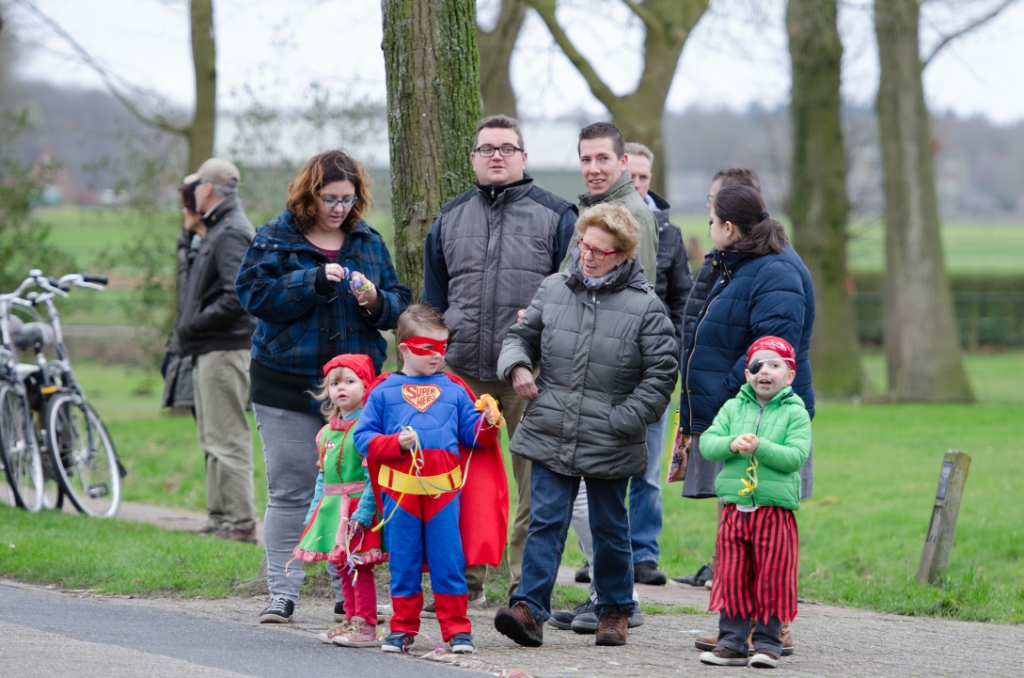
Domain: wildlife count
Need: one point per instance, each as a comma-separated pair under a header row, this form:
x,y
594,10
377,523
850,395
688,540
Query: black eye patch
x,y
755,366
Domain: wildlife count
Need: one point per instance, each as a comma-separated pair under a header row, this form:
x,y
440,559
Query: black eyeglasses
x,y
331,203
506,150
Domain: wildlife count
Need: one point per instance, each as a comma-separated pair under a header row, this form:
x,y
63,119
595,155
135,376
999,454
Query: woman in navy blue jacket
x,y
764,290
296,278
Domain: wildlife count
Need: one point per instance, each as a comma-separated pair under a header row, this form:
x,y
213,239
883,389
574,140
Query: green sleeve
x,y
789,455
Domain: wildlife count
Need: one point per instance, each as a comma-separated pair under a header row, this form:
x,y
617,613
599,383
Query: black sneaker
x,y
704,575
647,573
279,611
562,619
339,612
583,574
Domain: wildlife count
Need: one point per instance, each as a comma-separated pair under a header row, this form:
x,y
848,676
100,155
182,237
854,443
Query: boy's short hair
x,y
416,318
737,176
604,130
499,122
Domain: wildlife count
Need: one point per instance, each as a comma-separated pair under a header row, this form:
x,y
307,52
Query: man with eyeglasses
x,y
485,257
215,330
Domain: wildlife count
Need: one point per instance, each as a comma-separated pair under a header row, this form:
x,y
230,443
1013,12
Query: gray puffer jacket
x,y
607,367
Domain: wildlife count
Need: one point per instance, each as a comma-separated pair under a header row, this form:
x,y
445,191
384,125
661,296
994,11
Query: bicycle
x,y
74,445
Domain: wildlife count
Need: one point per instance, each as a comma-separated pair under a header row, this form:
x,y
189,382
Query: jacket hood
x,y
282,231
785,397
213,217
513,191
622,186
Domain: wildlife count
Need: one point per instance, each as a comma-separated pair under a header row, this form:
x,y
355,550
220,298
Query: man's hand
x,y
406,439
522,382
522,314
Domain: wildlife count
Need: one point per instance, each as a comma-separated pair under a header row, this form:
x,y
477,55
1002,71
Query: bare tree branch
x,y
967,29
158,121
651,23
603,93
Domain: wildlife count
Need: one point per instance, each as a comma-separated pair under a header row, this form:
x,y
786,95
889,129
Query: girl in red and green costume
x,y
338,526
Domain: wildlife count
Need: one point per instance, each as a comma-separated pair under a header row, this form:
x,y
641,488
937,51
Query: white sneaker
x,y
763,660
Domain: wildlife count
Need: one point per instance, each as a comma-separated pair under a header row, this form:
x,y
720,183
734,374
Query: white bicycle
x,y
53,444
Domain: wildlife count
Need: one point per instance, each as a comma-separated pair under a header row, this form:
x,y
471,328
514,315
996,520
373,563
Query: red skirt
x,y
755,576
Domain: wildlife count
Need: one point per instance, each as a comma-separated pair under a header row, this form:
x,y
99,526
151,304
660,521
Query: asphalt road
x,y
44,633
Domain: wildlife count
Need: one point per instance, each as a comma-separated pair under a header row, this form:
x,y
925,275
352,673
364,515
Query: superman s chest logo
x,y
421,397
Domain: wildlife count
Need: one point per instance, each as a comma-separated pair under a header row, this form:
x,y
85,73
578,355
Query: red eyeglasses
x,y
598,254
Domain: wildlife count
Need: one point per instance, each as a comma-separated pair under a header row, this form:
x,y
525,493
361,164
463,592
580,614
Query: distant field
x,y
969,246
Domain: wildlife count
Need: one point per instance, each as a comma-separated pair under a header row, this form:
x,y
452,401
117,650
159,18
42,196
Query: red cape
x,y
483,511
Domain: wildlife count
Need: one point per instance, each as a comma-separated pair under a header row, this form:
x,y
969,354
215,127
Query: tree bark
x,y
496,48
668,24
433,81
204,60
818,203
922,346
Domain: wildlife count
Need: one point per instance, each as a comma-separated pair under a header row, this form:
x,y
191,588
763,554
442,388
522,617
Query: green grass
x,y
77,552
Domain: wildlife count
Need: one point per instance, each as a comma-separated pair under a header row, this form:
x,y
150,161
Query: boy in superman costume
x,y
437,473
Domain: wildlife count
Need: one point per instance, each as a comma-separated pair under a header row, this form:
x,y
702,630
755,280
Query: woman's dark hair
x,y
759,233
304,191
188,195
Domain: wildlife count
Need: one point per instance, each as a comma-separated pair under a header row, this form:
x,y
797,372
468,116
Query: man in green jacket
x,y
602,151
763,437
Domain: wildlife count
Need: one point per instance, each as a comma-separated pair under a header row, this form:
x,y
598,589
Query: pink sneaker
x,y
359,634
330,634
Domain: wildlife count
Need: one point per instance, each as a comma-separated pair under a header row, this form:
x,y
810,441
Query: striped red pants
x,y
755,576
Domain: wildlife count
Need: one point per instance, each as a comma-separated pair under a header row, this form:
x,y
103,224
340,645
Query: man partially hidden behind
x,y
486,255
216,332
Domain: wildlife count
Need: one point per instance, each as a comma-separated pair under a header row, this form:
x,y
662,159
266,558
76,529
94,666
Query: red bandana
x,y
777,344
426,346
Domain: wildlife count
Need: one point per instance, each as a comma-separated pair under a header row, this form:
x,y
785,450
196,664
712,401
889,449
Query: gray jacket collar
x,y
631,274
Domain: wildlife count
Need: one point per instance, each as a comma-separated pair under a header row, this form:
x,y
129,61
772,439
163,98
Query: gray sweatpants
x,y
289,450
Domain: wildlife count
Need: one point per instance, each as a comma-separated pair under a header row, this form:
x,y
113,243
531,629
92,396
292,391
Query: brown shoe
x,y
209,527
613,625
229,532
723,656
519,624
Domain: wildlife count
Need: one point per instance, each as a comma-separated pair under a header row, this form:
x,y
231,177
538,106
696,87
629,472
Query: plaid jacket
x,y
299,330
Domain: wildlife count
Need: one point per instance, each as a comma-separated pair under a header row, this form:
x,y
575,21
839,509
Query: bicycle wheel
x,y
80,450
18,450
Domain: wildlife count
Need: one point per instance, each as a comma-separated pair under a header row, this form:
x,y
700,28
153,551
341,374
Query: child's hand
x,y
357,526
489,406
744,444
406,440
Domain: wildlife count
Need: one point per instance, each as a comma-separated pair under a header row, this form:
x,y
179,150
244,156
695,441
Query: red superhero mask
x,y
426,345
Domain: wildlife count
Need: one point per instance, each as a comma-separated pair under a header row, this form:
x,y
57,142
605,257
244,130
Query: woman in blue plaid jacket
x,y
321,283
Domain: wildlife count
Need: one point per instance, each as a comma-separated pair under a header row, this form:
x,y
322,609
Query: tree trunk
x,y
638,115
204,60
433,80
818,204
922,346
496,48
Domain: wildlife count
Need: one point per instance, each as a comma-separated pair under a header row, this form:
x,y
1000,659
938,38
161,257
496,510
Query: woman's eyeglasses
x,y
598,254
344,203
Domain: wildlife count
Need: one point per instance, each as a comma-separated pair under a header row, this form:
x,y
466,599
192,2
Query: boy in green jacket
x,y
763,436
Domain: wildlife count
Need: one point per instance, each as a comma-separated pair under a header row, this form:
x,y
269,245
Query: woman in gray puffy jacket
x,y
606,353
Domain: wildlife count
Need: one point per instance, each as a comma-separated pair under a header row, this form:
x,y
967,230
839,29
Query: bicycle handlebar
x,y
54,287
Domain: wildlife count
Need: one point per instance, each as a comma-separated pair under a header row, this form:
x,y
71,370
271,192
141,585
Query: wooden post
x,y
939,540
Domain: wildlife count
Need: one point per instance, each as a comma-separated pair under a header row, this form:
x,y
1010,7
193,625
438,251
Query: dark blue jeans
x,y
551,497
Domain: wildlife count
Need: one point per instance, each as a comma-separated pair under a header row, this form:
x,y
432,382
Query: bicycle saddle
x,y
26,335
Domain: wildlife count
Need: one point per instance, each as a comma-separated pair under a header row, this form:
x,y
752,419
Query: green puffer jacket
x,y
607,368
783,428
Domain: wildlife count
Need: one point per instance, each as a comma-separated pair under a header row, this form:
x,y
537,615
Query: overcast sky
x,y
271,51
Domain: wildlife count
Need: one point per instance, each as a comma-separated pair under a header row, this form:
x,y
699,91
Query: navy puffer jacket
x,y
753,298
